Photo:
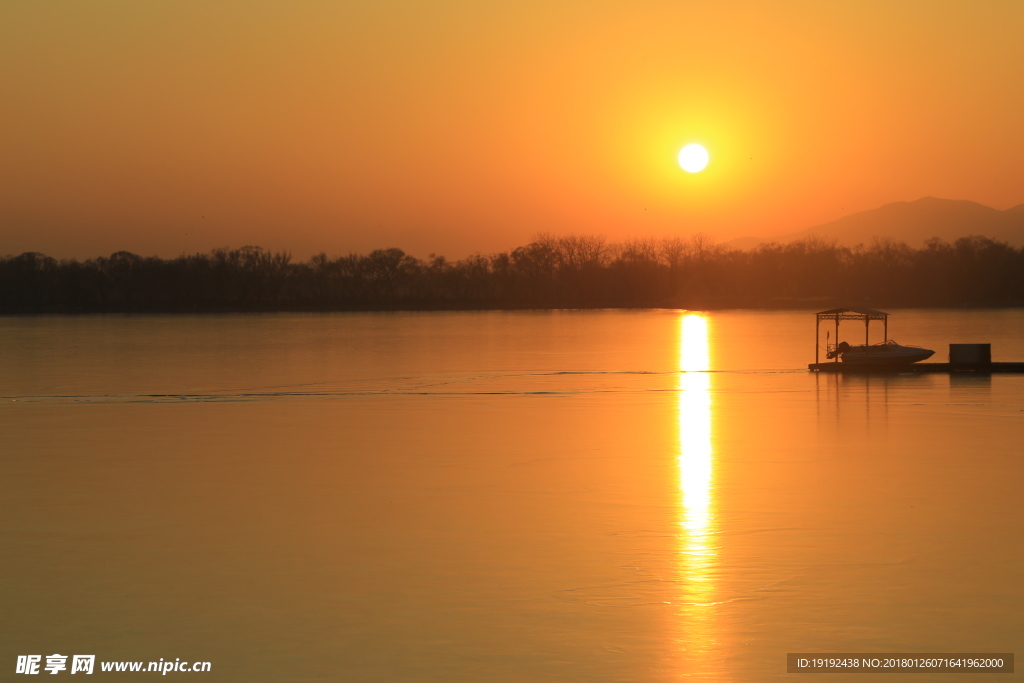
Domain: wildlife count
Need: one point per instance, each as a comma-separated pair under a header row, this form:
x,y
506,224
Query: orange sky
x,y
455,126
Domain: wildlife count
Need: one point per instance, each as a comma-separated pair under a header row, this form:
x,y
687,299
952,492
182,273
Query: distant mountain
x,y
913,223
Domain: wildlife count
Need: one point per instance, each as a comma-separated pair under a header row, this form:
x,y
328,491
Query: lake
x,y
503,496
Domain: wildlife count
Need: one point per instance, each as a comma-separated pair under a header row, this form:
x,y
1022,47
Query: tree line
x,y
574,271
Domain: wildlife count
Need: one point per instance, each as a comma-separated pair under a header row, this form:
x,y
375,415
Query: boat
x,y
884,353
888,352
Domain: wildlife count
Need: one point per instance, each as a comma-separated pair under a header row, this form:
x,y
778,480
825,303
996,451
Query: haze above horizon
x,y
455,127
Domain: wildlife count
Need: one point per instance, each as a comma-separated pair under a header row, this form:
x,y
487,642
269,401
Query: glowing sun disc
x,y
693,158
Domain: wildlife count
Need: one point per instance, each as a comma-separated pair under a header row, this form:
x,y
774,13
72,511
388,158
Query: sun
x,y
693,158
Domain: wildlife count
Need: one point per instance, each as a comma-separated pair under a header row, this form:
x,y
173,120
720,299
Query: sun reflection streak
x,y
697,550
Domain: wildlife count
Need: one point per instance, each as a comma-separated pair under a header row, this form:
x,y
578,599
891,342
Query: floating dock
x,y
964,358
868,369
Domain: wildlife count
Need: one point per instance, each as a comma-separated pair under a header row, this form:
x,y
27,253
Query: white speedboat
x,y
886,353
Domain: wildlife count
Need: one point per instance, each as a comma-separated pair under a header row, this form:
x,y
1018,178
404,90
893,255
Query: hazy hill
x,y
913,223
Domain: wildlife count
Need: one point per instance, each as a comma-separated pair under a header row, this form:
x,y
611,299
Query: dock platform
x,y
865,368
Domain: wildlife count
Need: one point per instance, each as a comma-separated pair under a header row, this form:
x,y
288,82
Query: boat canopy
x,y
838,314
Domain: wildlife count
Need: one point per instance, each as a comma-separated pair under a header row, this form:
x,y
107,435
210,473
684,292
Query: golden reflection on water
x,y
695,461
697,548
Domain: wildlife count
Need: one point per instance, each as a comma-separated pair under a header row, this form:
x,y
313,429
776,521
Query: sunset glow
x,y
162,128
456,341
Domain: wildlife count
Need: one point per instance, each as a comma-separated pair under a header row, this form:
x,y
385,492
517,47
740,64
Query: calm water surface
x,y
539,496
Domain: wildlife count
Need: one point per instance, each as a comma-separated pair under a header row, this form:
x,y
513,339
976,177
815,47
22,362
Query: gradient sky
x,y
456,126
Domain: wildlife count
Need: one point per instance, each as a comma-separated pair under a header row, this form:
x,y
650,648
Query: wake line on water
x,y
226,398
423,389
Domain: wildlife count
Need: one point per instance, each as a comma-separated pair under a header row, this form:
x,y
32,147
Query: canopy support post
x,y
837,338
